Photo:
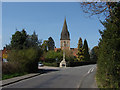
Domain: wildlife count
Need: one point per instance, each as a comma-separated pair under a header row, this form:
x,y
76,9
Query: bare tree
x,y
98,8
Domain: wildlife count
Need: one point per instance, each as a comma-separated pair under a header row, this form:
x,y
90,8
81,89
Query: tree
x,y
86,51
18,39
45,45
51,44
80,50
108,64
109,51
69,57
94,54
52,56
21,40
98,8
25,50
33,41
24,34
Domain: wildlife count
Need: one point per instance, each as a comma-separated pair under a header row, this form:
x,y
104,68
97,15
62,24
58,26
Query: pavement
x,y
19,78
27,76
70,77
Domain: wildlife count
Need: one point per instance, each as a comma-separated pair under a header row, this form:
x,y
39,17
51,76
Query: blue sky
x,y
47,19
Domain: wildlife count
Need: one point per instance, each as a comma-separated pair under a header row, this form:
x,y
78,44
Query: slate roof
x,y
65,33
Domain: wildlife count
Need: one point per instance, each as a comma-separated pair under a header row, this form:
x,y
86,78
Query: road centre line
x,y
91,69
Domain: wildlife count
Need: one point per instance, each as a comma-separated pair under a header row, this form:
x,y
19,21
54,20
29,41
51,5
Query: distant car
x,y
40,64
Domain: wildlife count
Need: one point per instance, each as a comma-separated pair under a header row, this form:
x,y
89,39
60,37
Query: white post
x,y
63,62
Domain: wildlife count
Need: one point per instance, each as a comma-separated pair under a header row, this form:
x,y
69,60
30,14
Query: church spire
x,y
65,34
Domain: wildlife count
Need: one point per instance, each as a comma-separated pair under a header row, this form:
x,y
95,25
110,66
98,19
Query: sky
x,y
47,19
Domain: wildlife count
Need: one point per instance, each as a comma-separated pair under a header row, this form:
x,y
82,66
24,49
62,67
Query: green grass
x,y
8,76
50,64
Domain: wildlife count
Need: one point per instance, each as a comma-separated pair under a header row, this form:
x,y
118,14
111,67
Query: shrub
x,y
27,58
77,63
52,56
10,68
50,64
108,64
94,54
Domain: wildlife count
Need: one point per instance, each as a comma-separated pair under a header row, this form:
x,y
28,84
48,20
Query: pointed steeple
x,y
65,34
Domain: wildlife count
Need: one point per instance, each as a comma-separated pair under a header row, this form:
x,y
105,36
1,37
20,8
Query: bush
x,y
77,63
108,64
10,68
51,64
52,56
94,54
27,58
69,56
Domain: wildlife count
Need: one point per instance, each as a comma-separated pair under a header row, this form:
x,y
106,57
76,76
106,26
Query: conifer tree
x,y
108,71
18,39
51,44
80,53
45,45
94,54
86,51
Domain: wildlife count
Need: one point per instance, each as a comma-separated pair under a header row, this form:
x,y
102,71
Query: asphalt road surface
x,y
70,77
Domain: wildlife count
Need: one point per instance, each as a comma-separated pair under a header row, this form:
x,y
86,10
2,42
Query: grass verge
x,y
50,64
8,76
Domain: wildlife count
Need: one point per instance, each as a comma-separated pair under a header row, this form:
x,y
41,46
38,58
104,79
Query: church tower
x,y
65,37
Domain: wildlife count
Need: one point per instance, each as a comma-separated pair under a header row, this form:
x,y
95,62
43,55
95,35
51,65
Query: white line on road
x,y
91,69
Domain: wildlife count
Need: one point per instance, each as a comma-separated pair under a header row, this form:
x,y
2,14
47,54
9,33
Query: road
x,y
70,77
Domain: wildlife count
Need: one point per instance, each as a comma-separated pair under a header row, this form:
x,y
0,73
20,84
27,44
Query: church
x,y
65,40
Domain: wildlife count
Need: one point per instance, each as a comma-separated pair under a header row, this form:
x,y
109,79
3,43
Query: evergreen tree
x,y
21,40
86,51
80,53
94,54
33,41
24,34
24,37
45,45
18,39
51,44
109,51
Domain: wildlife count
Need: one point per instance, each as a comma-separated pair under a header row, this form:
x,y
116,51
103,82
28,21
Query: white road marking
x,y
91,69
